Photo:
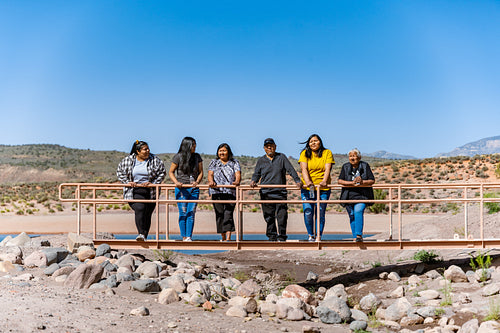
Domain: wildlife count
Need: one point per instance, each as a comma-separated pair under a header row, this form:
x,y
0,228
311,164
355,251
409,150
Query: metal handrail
x,y
395,197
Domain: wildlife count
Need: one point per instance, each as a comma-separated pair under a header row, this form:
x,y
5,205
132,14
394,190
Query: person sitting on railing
x,y
224,170
139,170
271,169
356,178
315,163
189,168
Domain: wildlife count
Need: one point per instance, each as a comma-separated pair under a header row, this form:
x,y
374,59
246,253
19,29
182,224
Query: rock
x,y
338,305
63,271
397,310
249,304
428,320
7,266
412,319
432,274
337,290
294,290
359,315
207,306
14,254
51,269
219,293
145,285
419,269
369,302
357,326
464,298
268,308
491,289
111,281
231,283
126,261
196,299
142,311
61,278
282,310
470,327
383,275
262,276
490,326
312,277
84,276
175,282
295,315
443,321
429,294
483,274
249,288
310,329
167,296
328,270
148,269
427,311
55,254
398,292
455,274
391,324
23,277
380,313
328,316
236,311
20,240
5,240
414,280
75,241
36,259
85,252
102,250
200,287
471,276
393,276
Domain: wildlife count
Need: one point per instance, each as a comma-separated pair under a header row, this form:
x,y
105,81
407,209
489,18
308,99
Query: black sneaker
x,y
359,239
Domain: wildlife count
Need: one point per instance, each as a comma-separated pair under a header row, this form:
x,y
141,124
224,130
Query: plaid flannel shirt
x,y
156,173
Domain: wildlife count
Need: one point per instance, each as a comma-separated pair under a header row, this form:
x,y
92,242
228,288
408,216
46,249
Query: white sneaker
x,y
188,239
140,237
311,239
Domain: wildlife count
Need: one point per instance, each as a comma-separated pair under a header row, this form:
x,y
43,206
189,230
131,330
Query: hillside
x,y
30,174
484,146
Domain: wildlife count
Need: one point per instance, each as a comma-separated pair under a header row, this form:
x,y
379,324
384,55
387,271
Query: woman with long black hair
x,y
186,170
139,170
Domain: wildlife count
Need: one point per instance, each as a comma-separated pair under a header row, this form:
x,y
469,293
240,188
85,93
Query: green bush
x,y
427,257
493,207
378,208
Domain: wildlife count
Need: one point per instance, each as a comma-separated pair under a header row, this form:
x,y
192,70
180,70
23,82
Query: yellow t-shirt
x,y
316,165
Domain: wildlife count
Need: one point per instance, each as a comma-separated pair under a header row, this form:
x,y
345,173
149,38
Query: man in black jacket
x,y
272,169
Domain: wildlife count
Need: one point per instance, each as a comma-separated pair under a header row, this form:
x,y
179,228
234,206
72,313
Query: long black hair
x,y
137,146
185,148
309,150
229,152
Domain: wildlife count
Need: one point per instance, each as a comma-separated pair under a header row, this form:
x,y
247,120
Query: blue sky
x,y
410,77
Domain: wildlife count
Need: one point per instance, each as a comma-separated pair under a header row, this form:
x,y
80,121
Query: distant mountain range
x,y
484,146
390,156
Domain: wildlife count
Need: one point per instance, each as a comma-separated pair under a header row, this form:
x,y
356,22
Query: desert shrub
x,y
427,257
378,208
493,207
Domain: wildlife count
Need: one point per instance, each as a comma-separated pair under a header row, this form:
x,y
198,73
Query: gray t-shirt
x,y
193,166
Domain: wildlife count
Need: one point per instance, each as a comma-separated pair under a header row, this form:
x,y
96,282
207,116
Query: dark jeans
x,y
143,210
273,213
224,212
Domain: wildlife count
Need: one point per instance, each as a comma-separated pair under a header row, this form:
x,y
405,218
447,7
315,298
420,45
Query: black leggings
x,y
143,210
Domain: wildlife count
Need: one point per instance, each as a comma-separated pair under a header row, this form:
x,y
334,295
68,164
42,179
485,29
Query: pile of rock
x,y
428,299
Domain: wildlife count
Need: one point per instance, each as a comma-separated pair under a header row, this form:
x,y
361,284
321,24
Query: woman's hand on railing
x,y
178,184
211,183
132,184
253,184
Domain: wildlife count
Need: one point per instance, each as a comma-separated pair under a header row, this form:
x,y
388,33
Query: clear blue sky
x,y
409,77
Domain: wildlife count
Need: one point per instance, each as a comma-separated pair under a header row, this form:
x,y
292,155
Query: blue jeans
x,y
310,209
186,209
356,218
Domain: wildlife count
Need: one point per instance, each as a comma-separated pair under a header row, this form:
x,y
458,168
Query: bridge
x,y
396,202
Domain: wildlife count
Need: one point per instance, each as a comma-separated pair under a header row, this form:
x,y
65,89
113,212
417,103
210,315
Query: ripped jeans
x,y
186,209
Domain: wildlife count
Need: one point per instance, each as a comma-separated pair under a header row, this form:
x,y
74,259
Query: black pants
x,y
143,210
273,213
224,212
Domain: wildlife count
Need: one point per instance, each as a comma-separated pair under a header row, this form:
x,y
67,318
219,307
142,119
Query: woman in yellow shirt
x,y
315,163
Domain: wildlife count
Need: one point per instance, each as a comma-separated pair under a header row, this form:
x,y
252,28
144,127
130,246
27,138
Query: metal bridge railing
x,y
396,196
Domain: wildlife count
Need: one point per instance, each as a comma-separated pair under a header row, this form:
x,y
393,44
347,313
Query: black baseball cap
x,y
269,141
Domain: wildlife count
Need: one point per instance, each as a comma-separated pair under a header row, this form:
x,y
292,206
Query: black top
x,y
193,166
356,193
274,172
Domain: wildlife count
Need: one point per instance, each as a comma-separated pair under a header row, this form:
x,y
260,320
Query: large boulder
x,y
455,274
167,296
75,241
14,254
36,259
398,309
148,269
338,305
249,288
145,285
337,290
84,276
294,290
369,302
175,282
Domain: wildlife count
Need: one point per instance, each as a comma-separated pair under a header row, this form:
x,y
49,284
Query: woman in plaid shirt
x,y
139,170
